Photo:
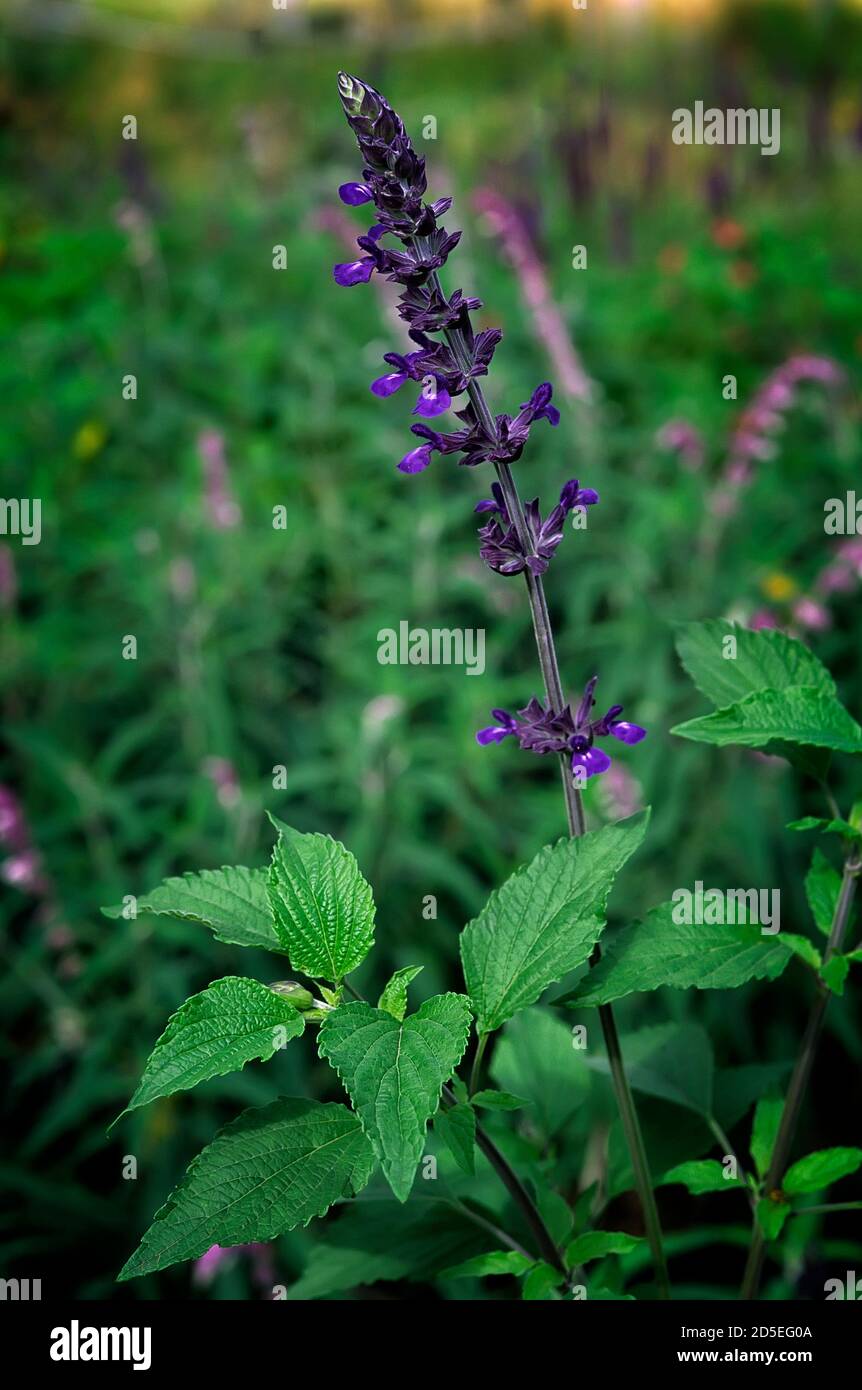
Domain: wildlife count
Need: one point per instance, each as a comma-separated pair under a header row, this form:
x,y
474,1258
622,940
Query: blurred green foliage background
x,y
257,647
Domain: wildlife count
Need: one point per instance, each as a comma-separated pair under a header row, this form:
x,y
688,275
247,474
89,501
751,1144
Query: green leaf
x,y
771,1216
394,1073
498,1100
232,902
495,1262
394,997
702,1175
837,827
267,1172
765,660
378,1238
803,948
818,1170
541,1282
737,1088
215,1032
835,972
661,951
764,1132
799,715
594,1245
535,1058
822,886
323,908
544,921
457,1128
672,1061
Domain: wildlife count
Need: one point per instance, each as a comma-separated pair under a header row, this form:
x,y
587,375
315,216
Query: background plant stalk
x,y
547,654
801,1074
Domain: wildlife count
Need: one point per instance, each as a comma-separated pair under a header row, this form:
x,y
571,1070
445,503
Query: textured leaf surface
x,y
660,951
394,997
498,1100
818,1170
394,1073
217,1031
544,921
799,715
268,1171
232,902
323,907
765,660
702,1175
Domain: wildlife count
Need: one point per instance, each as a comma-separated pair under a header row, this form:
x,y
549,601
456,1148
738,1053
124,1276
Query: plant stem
x,y
547,654
476,1068
801,1074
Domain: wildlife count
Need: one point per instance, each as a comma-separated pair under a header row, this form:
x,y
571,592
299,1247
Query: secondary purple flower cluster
x,y
394,180
501,548
542,731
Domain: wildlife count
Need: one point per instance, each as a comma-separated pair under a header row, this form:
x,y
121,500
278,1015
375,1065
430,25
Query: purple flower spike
x,y
417,460
540,730
355,194
433,401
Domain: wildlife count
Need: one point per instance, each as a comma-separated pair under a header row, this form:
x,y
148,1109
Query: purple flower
x,y
501,548
359,272
355,194
540,730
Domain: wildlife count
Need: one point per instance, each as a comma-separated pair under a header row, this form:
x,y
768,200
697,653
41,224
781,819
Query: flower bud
x,y
294,993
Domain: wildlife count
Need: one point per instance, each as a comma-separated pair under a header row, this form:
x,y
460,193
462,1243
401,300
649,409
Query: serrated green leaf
x,y
595,1245
822,886
836,827
495,1262
800,716
803,948
231,901
544,921
765,660
394,996
660,951
323,907
498,1100
771,1216
267,1172
818,1170
394,1073
554,1211
702,1175
457,1128
230,1023
764,1132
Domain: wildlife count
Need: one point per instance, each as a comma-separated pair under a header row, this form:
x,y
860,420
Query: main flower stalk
x,y
515,538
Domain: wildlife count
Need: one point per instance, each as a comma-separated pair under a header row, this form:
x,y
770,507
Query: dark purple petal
x,y
355,194
433,401
587,703
353,272
417,460
627,733
385,385
587,497
593,761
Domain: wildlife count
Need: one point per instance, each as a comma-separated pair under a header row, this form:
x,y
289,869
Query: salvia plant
x,y
276,1168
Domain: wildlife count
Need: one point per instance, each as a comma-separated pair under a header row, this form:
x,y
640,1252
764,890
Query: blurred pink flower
x,y
222,774
685,440
811,614
220,1257
224,511
762,618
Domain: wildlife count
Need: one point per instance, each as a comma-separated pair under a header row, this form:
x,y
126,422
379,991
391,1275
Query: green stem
x,y
801,1075
476,1068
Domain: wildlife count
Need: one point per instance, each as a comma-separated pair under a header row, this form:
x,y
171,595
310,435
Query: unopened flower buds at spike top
x,y
294,993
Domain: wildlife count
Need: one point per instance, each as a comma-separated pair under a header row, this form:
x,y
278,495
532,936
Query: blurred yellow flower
x,y
779,586
89,439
